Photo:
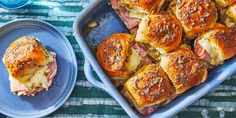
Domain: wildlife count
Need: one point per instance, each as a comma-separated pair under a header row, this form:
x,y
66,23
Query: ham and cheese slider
x,y
31,67
119,57
149,89
184,69
132,11
216,45
163,32
155,85
196,16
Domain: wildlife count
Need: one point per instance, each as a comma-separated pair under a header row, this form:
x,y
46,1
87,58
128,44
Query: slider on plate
x,y
196,16
224,3
132,11
149,89
120,57
184,69
31,66
216,45
161,33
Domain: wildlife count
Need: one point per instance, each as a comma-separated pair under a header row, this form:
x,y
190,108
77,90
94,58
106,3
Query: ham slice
x,y
131,23
202,53
18,88
140,51
143,54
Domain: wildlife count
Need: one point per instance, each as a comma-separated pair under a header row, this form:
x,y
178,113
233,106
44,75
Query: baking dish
x,y
101,14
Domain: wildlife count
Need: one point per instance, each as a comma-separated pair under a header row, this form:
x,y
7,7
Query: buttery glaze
x,y
24,56
149,88
196,16
163,32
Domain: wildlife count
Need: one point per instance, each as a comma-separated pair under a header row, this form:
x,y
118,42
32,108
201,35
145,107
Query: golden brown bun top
x,y
225,3
23,57
196,16
231,12
162,30
184,69
149,86
112,54
150,6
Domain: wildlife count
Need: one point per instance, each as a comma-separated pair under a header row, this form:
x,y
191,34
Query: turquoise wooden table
x,y
87,101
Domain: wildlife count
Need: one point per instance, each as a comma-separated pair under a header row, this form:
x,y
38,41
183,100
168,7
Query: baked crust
x,y
162,31
184,69
149,87
196,16
112,54
24,56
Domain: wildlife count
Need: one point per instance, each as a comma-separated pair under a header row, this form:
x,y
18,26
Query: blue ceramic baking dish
x,y
100,14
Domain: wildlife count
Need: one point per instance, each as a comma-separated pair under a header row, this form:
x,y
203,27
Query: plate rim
x,y
73,74
16,7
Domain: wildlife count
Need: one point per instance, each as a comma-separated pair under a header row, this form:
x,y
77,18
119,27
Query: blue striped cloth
x,y
87,101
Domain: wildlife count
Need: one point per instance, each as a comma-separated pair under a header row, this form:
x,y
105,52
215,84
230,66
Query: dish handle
x,y
90,77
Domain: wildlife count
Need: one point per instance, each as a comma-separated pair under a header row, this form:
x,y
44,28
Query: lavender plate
x,y
45,102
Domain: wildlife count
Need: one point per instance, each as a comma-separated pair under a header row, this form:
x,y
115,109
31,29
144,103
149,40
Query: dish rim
x,y
108,87
73,74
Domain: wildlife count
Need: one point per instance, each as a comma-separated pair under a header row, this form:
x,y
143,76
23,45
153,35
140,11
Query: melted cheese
x,y
134,61
27,77
222,3
231,12
132,8
229,23
136,15
212,50
39,79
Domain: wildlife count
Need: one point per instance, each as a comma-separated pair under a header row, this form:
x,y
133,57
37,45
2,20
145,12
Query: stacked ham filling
x,y
21,89
131,22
